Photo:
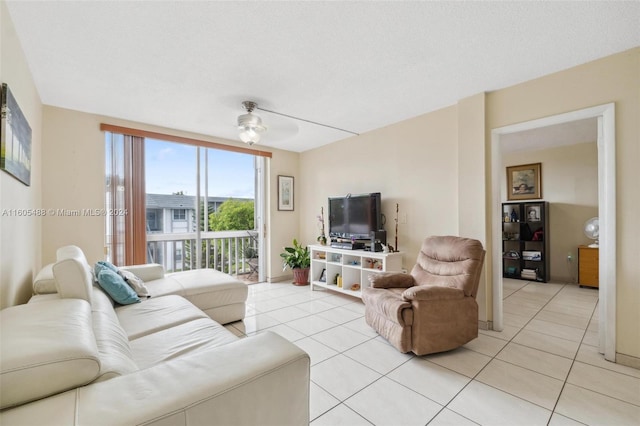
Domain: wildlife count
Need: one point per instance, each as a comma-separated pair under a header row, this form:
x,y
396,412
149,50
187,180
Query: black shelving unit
x,y
525,241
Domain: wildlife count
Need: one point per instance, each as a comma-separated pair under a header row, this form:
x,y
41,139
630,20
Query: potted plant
x,y
298,259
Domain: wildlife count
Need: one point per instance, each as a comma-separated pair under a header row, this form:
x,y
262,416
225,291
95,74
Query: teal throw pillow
x,y
116,287
100,265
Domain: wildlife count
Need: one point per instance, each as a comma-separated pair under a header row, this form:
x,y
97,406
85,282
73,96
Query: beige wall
x,y
570,185
430,165
612,79
74,176
284,224
20,235
472,189
412,163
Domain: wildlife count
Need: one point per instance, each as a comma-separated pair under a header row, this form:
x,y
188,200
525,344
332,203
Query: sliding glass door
x,y
202,207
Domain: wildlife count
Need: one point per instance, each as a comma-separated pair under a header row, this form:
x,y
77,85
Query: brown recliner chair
x,y
432,309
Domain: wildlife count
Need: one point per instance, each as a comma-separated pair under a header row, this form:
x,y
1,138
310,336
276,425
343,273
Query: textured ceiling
x,y
354,65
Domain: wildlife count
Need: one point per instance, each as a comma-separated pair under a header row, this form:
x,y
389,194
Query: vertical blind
x,y
124,191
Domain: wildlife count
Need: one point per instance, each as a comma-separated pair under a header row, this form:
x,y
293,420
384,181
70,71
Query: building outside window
x,y
153,222
179,214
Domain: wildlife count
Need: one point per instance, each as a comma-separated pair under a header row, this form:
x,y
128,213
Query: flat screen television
x,y
355,216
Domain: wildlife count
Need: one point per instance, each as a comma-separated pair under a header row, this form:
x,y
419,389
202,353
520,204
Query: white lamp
x,y
250,125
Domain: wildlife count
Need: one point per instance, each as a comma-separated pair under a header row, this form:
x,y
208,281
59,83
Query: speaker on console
x,y
378,238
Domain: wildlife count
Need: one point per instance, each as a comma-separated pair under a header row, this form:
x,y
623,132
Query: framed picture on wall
x,y
285,193
524,182
15,139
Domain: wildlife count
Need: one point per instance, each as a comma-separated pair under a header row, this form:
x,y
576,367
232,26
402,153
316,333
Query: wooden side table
x,y
588,273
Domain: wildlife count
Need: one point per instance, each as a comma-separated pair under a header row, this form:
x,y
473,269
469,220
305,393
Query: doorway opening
x,y
605,114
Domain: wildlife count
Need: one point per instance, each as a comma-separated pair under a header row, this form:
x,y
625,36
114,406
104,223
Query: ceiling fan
x,y
250,125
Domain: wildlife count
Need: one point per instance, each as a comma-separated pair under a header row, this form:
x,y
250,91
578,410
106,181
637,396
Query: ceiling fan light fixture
x,y
249,125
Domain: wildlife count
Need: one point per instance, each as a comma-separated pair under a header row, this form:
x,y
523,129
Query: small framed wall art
x,y
524,182
15,139
285,193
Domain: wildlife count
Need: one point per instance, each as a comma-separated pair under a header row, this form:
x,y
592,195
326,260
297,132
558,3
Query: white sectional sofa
x,y
217,294
76,358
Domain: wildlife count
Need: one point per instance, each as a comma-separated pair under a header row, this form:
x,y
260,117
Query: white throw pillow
x,y
136,283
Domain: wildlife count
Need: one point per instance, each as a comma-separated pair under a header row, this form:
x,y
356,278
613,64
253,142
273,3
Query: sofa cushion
x,y
146,272
156,314
45,282
189,337
71,252
43,297
224,287
47,348
116,287
210,289
113,343
73,279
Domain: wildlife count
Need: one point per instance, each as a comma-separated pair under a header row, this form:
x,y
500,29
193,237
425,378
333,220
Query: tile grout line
x,y
573,361
474,378
497,353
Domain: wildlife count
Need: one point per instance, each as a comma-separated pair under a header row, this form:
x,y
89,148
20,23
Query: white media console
x,y
352,266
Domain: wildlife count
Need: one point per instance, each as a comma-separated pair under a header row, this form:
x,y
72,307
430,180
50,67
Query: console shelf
x,y
353,266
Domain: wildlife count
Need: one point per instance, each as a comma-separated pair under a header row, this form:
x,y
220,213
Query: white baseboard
x,y
628,360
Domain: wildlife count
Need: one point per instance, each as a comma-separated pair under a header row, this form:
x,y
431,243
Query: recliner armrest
x,y
146,272
391,280
433,292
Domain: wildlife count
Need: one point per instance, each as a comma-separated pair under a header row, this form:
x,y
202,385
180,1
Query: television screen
x,y
354,216
337,217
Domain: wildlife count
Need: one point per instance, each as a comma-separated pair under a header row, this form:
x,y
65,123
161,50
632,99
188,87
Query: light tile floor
x,y
542,369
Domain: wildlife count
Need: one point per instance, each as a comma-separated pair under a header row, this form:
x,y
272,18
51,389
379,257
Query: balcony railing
x,y
233,252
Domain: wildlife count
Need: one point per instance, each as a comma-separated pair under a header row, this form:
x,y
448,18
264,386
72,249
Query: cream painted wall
x,y
612,79
284,224
20,236
412,163
74,175
472,193
570,185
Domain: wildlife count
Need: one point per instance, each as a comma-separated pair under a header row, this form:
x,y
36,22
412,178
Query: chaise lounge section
x,y
75,357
